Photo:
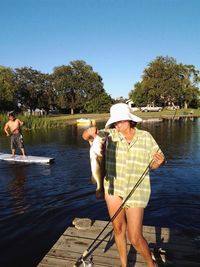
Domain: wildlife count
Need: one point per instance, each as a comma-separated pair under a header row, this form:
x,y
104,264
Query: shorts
x,y
17,141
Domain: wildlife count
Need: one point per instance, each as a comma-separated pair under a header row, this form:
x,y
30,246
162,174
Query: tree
x,y
46,94
164,82
34,89
189,80
139,95
7,93
99,104
76,84
161,80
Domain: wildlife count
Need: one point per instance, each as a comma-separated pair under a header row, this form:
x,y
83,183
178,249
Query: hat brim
x,y
127,117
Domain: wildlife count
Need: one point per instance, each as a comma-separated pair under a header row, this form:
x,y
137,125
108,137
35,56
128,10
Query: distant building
x,y
36,112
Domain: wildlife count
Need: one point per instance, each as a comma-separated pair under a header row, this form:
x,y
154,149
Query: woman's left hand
x,y
158,160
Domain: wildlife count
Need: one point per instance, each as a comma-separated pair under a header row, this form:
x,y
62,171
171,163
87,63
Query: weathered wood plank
x,y
82,243
68,246
94,232
177,249
178,241
99,225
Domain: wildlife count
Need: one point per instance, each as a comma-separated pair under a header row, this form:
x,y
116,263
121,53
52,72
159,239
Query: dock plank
x,y
174,247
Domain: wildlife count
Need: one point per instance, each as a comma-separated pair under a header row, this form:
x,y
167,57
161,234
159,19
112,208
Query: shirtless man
x,y
12,129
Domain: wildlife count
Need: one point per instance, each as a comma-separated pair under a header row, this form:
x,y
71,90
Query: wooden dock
x,y
170,247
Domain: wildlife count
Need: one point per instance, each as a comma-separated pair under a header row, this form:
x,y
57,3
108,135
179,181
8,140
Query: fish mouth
x,y
103,134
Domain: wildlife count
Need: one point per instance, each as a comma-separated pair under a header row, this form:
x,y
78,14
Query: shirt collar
x,y
117,136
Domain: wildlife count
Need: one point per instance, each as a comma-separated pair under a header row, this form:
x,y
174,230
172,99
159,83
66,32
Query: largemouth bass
x,y
97,161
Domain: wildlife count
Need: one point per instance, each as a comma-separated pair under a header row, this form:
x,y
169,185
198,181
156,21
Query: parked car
x,y
148,109
172,107
134,109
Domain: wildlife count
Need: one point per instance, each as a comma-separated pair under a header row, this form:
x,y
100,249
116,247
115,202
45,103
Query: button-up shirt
x,y
126,163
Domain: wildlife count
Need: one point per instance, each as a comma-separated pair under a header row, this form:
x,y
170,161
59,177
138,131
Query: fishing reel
x,y
88,263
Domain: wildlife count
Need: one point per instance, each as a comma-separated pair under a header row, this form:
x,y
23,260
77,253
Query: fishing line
x,y
88,251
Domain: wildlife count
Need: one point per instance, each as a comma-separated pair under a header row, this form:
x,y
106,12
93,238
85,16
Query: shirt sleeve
x,y
154,147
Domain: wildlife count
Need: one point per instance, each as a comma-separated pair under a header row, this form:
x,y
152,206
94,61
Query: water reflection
x,y
69,136
175,137
17,188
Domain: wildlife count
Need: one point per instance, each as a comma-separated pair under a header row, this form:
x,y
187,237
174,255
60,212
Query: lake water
x,y
38,202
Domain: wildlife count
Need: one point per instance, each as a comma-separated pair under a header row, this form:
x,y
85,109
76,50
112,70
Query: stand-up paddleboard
x,y
26,159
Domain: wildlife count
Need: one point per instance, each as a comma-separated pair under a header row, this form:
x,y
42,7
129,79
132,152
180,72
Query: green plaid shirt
x,y
125,164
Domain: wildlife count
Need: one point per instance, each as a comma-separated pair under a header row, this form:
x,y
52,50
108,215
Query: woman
x,y
129,152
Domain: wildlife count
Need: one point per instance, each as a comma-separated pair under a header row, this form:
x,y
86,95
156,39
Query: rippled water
x,y
38,202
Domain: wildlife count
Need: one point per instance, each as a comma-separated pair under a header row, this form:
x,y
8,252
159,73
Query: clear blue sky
x,y
118,38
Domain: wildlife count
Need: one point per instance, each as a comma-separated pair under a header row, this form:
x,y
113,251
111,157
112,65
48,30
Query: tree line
x,y
73,88
76,88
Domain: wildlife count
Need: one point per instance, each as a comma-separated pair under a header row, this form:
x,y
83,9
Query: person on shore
x,y
128,154
12,129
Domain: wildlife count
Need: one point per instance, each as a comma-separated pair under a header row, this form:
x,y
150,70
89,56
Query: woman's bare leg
x,y
119,226
134,224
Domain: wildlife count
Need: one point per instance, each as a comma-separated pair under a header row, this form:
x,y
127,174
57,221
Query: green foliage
x,y
75,84
138,95
99,104
164,82
7,99
33,89
3,120
33,122
190,92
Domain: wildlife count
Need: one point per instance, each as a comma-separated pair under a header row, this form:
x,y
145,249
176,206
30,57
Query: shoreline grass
x,y
62,120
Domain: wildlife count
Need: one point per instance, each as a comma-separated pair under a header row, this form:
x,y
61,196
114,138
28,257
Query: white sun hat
x,y
121,112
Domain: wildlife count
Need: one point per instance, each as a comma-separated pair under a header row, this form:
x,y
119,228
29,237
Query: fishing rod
x,y
88,251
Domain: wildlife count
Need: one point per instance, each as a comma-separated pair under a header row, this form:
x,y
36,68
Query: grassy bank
x,y
169,113
52,121
31,122
71,119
